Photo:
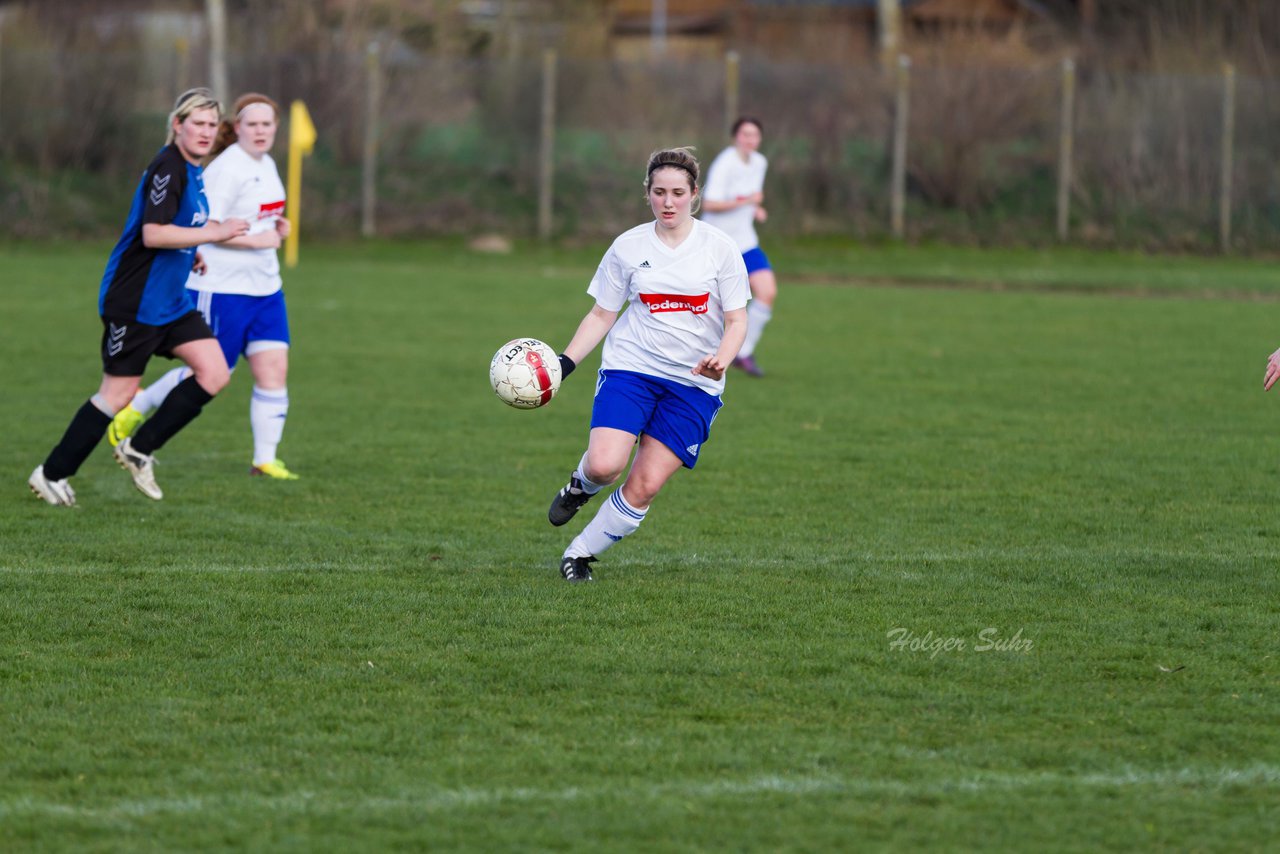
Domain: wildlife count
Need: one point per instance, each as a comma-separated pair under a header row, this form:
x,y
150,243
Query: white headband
x,y
248,107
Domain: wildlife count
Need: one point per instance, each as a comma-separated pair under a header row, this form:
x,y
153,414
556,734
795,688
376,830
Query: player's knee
x,y
765,289
213,378
639,493
603,468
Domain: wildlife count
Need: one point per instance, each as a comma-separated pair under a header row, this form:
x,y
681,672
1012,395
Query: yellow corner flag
x,y
302,138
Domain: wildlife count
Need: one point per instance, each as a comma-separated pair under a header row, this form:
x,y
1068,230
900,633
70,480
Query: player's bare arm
x,y
735,332
269,239
169,236
591,332
1273,371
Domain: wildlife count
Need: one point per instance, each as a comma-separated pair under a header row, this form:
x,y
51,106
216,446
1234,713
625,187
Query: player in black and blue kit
x,y
146,310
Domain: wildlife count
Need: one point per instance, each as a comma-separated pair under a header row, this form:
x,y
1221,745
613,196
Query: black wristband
x,y
566,366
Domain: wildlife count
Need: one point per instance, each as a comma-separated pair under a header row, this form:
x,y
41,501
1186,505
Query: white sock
x,y
758,316
590,487
614,520
147,399
267,412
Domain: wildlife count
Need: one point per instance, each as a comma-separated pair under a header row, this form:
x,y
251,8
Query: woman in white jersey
x,y
733,201
240,293
684,288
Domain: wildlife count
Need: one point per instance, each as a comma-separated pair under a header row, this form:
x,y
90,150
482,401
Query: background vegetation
x,y
459,121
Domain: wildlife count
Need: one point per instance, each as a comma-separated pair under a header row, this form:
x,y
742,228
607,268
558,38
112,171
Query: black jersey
x,y
149,285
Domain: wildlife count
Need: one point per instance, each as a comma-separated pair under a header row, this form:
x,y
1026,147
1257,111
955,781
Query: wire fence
x,y
457,144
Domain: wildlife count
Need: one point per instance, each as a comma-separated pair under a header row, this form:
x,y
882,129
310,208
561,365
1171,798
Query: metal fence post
x,y
546,148
1066,142
731,84
898,188
1228,154
369,170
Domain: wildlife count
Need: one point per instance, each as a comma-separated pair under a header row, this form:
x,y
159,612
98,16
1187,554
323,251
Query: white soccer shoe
x,y
140,466
55,492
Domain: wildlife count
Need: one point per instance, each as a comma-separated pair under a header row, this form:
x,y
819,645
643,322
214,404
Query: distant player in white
x,y
733,201
684,289
240,292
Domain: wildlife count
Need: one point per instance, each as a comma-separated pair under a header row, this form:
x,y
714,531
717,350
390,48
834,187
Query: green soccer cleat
x,y
124,425
275,469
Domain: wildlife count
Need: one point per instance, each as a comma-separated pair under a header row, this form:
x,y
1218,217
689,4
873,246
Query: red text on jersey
x,y
695,303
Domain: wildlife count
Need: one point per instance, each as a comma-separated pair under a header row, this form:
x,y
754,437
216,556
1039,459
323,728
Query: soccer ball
x,y
525,373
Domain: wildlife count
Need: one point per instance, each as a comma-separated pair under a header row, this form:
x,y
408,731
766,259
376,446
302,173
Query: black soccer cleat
x,y
577,568
567,503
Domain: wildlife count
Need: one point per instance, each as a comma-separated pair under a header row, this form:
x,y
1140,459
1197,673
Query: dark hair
x,y
746,120
676,158
227,128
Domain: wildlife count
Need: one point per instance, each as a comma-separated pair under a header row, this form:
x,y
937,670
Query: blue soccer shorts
x,y
677,415
755,259
239,321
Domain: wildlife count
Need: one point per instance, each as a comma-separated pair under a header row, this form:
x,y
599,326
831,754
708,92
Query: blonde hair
x,y
227,129
680,157
189,102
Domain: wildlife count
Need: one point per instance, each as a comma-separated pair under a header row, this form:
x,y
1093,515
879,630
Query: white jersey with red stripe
x,y
729,179
240,185
675,301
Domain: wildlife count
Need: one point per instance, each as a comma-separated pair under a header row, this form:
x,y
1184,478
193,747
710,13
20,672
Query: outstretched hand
x,y
710,367
1273,371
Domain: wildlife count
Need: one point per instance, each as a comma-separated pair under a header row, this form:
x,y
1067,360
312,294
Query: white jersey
x,y
675,301
240,185
729,179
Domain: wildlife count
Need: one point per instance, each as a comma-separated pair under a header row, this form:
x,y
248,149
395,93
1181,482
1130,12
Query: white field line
x,y
453,800
851,559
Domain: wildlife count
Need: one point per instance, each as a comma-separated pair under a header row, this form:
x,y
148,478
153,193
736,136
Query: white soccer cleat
x,y
55,492
140,466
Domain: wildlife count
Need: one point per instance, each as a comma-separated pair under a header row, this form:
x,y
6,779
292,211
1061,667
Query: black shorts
x,y
128,345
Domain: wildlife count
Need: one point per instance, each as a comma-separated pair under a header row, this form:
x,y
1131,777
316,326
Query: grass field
x,y
1069,454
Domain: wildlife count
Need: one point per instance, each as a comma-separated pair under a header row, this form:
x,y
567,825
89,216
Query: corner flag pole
x,y
302,138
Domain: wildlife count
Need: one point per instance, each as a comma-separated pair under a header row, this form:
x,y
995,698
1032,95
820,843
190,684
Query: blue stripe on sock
x,y
623,508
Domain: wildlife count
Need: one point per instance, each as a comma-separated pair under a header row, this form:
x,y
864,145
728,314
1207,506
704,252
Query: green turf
x,y
381,655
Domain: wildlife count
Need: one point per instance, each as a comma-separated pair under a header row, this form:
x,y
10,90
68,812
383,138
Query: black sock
x,y
82,436
183,404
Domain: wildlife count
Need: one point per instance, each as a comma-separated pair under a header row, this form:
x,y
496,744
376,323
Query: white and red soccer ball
x,y
525,373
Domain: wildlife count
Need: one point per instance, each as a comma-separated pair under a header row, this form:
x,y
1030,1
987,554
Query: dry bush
x,y
976,131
